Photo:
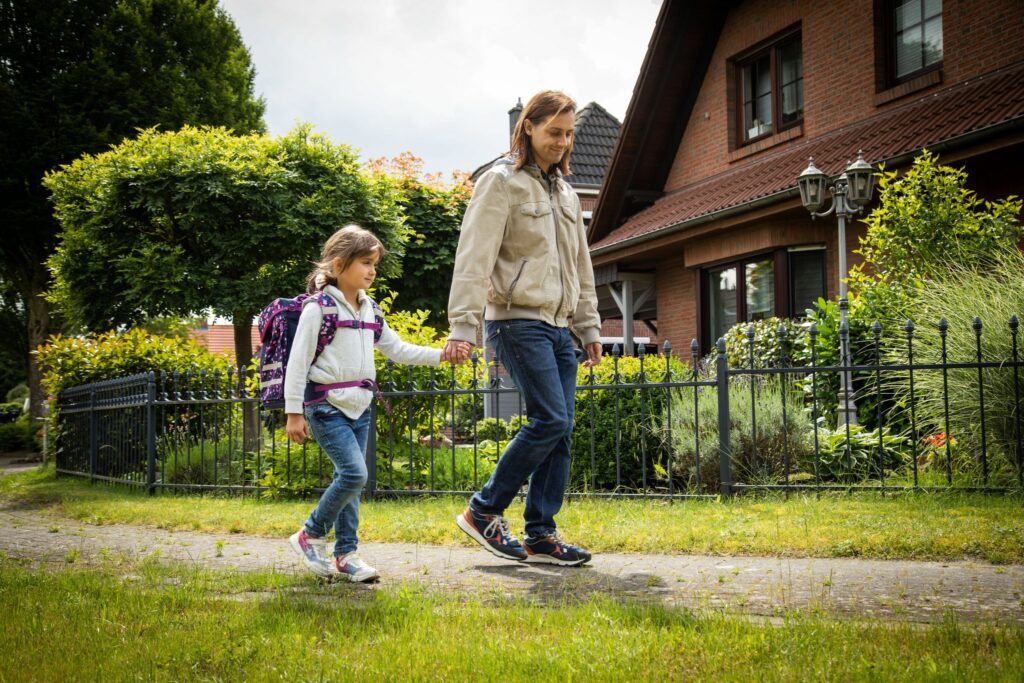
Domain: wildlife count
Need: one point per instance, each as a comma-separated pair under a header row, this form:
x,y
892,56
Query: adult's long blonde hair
x,y
541,107
340,249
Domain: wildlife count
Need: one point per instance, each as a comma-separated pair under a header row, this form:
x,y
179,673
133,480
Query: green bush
x,y
620,461
756,458
496,429
767,351
433,469
18,394
9,412
19,435
72,361
849,454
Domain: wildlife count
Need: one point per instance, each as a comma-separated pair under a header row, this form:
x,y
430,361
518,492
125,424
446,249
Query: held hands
x,y
296,428
456,351
593,355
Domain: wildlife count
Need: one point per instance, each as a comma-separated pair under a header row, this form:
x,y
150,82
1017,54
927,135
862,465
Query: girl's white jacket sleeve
x,y
392,346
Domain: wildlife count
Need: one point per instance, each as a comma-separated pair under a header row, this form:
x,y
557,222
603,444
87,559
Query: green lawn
x,y
158,621
935,526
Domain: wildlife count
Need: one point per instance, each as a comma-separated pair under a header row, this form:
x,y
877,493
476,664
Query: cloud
x,y
436,77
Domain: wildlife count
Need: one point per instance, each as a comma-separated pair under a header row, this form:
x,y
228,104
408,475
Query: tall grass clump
x,y
765,445
972,300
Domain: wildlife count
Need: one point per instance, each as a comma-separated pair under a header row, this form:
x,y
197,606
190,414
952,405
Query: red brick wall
x,y
677,304
838,42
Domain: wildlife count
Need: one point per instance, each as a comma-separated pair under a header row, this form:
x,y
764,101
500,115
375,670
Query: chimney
x,y
513,116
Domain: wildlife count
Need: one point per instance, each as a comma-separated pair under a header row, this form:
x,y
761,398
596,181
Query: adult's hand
x,y
456,351
593,355
296,428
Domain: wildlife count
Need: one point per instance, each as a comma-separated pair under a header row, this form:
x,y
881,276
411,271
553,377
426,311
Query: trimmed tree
x,y
79,75
176,223
433,210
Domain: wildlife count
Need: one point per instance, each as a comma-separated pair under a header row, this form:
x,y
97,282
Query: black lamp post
x,y
851,192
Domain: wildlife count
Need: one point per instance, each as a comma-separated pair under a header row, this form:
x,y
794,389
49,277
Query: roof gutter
x,y
729,211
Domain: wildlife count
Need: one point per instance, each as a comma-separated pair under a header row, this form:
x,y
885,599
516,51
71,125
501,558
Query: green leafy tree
x,y
433,210
174,223
927,221
79,75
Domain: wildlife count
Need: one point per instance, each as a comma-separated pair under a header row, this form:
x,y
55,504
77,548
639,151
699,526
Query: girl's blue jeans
x,y
542,361
344,441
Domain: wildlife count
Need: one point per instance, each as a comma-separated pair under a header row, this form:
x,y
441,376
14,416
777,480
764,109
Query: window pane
x,y
757,98
721,301
908,53
807,280
791,79
760,285
908,13
932,8
933,41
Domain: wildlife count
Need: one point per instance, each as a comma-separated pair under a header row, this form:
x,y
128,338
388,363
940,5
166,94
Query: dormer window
x,y
771,83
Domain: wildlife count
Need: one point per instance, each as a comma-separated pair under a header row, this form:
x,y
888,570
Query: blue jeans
x,y
344,442
542,362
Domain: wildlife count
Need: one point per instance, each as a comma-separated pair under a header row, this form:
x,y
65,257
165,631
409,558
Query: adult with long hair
x,y
523,260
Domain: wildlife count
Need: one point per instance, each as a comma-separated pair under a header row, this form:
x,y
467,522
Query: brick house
x,y
699,223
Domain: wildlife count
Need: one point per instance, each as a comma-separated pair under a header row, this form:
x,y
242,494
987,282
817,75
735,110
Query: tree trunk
x,y
243,355
38,331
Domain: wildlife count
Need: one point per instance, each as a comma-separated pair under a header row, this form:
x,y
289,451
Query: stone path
x,y
912,591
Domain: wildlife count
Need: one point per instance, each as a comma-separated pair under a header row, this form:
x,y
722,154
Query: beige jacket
x,y
523,251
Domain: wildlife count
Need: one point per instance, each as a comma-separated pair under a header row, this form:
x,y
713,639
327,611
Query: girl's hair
x,y
341,248
544,105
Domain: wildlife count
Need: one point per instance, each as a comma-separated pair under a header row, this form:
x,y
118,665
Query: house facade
x,y
700,225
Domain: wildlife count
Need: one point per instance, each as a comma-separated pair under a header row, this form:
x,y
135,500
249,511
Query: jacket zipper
x,y
512,285
558,249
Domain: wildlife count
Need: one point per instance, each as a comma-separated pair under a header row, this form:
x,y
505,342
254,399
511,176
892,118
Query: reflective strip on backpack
x,y
272,366
271,382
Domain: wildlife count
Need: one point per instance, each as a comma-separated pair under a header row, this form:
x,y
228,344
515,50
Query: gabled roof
x,y
967,112
596,133
684,38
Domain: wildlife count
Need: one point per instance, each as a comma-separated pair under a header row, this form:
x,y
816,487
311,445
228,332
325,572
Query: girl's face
x,y
358,274
550,139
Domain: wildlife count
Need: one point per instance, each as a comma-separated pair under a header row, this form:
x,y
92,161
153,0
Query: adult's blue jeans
x,y
542,361
344,441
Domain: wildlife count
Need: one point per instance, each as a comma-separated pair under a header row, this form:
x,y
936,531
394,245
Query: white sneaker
x,y
313,552
354,568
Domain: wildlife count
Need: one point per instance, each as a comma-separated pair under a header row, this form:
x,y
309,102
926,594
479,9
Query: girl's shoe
x,y
353,568
313,552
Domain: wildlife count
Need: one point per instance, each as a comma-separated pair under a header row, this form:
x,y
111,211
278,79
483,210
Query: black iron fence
x,y
652,426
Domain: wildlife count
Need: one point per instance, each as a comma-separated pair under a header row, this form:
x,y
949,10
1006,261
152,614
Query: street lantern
x,y
861,176
851,192
812,184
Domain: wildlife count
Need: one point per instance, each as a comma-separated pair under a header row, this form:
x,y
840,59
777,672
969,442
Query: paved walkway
x,y
913,591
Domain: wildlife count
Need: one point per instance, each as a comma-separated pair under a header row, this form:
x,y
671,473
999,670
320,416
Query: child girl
x,y
339,418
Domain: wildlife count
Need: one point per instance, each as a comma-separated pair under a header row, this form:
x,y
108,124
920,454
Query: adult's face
x,y
550,139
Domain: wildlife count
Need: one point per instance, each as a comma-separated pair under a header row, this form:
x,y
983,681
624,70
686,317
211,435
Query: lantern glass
x,y
862,181
812,183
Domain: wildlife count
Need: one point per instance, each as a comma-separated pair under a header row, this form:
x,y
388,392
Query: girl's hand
x,y
456,351
296,428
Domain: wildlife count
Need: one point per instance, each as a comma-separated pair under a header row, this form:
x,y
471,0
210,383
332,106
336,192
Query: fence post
x,y
371,453
724,452
151,433
93,436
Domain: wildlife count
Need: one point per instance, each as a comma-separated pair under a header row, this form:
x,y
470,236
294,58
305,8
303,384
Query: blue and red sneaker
x,y
312,550
491,531
551,549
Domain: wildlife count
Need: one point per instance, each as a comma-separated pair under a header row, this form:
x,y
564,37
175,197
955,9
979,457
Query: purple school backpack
x,y
277,324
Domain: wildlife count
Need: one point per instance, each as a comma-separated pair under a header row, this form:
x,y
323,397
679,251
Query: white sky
x,y
436,77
